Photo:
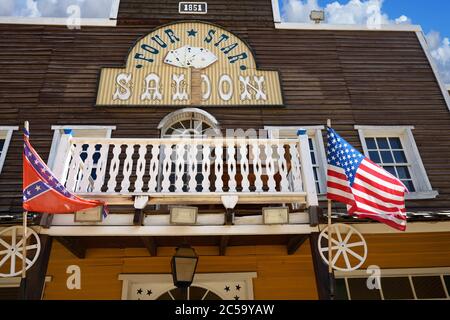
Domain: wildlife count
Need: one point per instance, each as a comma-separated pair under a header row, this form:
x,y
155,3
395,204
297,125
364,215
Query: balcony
x,y
188,171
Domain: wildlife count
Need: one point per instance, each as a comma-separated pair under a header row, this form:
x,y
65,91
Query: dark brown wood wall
x,y
49,74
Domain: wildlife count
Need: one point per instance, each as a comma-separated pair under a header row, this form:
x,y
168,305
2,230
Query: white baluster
x,y
270,167
127,168
86,169
140,168
101,167
309,183
257,166
154,168
167,168
206,168
231,162
192,166
282,168
244,165
219,165
74,168
114,168
179,166
295,168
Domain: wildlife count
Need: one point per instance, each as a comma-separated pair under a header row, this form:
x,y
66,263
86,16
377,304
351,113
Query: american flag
x,y
368,190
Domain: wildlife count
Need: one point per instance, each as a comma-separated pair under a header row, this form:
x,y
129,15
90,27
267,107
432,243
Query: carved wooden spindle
x,y
192,166
140,168
295,168
101,167
167,167
219,165
74,168
282,168
270,167
114,168
154,168
179,166
257,166
85,174
127,168
244,165
206,168
231,164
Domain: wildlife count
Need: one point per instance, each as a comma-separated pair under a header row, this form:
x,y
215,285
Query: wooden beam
x,y
223,245
295,243
32,287
138,219
74,245
150,244
229,217
325,285
46,220
315,212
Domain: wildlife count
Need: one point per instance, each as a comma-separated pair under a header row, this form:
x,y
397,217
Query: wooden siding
x,y
49,75
279,276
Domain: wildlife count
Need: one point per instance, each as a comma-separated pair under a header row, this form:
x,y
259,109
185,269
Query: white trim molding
x,y
444,88
276,11
345,27
159,284
91,131
315,133
418,173
165,231
6,133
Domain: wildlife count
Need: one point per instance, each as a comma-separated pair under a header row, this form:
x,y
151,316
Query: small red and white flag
x,y
368,190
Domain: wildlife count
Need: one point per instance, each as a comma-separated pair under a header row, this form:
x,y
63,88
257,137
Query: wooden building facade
x,y
109,105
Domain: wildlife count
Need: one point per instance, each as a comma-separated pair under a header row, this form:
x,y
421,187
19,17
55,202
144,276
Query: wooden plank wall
x,y
49,75
279,276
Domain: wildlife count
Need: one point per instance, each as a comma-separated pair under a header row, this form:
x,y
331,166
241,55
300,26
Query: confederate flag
x,y
43,193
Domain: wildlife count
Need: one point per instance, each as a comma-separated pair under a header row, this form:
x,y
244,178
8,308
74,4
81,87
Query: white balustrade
x,y
125,167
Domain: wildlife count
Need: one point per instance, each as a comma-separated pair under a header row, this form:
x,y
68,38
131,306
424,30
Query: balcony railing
x,y
189,171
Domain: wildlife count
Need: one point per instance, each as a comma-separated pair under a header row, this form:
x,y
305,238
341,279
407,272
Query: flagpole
x,y
330,232
24,223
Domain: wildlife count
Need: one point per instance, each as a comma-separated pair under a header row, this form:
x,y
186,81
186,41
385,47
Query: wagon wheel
x,y
11,249
348,247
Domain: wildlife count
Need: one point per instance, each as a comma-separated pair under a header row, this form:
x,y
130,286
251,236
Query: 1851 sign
x,y
193,8
189,63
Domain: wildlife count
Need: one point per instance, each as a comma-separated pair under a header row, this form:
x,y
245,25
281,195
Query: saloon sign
x,y
189,64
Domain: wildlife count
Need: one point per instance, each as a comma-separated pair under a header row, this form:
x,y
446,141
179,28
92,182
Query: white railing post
x,y
63,155
309,183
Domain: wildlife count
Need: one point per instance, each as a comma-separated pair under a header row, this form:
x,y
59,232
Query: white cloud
x,y
440,51
360,12
6,7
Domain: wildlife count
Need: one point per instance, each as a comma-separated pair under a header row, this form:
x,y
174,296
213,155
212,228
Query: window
x,y
401,284
316,146
5,139
394,149
81,132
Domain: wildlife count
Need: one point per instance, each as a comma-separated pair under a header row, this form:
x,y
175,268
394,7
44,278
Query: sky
x,y
432,15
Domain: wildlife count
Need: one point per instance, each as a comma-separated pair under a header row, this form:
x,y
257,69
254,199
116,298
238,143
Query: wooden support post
x,y
315,212
46,221
324,282
223,245
295,243
150,244
74,245
139,216
229,217
32,287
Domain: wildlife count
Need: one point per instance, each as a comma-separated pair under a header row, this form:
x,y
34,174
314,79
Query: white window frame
x,y
62,21
6,133
57,137
403,273
200,279
314,132
417,170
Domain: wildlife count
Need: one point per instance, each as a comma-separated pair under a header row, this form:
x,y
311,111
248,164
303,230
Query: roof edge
x,y
345,27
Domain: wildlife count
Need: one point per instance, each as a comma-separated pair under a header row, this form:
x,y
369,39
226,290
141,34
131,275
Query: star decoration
x,y
238,287
192,33
227,289
149,292
139,291
236,298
